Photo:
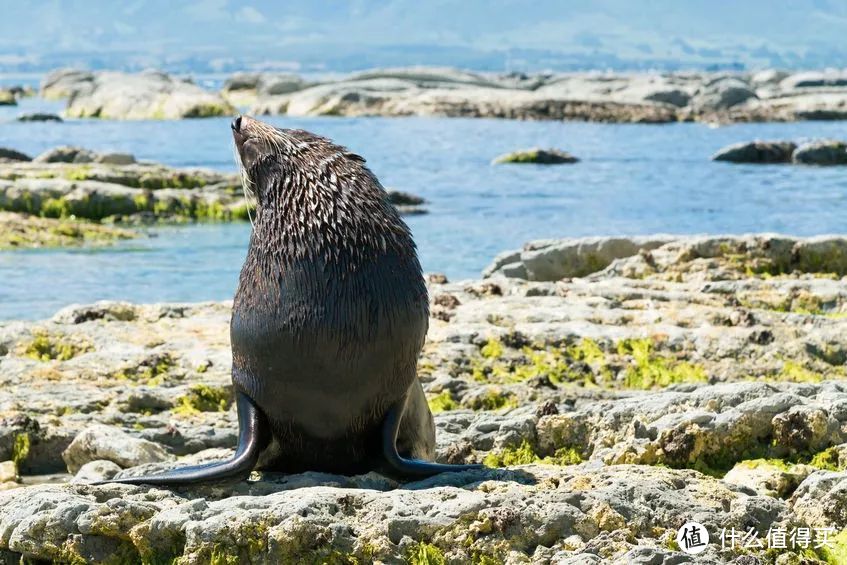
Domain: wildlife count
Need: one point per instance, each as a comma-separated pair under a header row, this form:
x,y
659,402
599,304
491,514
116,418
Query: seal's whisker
x,y
246,186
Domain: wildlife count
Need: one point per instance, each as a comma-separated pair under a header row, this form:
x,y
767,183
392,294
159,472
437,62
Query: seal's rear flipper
x,y
410,467
253,435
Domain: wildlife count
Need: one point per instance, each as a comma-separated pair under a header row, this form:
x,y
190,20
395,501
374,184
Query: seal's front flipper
x,y
410,467
253,435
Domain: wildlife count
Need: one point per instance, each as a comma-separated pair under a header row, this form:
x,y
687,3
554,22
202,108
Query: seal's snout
x,y
236,124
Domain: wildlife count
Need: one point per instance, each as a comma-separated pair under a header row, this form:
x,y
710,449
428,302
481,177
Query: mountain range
x,y
493,35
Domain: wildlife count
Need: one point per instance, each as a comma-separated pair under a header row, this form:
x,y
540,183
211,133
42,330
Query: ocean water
x,y
632,179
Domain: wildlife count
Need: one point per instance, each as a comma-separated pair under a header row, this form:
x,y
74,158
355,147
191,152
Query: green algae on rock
x,y
537,156
586,362
574,450
19,231
524,454
204,398
46,347
129,192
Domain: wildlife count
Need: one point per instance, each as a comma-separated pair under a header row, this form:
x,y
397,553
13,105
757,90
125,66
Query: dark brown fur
x,y
331,310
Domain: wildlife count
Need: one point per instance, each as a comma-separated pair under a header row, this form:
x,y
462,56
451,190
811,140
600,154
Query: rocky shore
x,y
764,96
20,231
124,96
601,97
70,196
614,387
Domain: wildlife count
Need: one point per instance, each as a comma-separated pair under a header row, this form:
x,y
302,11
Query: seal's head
x,y
313,195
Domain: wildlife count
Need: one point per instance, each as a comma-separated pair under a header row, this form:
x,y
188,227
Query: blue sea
x,y
632,179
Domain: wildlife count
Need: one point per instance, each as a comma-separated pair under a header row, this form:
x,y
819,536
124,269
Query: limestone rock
x,y
98,470
599,514
821,500
724,93
8,471
604,406
66,154
551,260
100,442
144,96
115,158
771,478
64,83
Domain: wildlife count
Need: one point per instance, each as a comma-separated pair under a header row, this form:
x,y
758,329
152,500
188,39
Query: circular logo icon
x,y
692,537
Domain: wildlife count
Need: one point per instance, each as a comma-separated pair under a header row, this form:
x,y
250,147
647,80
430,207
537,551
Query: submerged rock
x,y
38,117
822,152
407,203
757,152
538,156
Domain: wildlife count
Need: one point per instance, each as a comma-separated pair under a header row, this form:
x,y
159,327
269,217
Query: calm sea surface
x,y
632,179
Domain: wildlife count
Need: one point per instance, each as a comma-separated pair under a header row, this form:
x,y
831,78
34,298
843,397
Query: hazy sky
x,y
314,31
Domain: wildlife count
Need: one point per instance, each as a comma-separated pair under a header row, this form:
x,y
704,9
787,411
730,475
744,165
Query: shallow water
x,y
632,179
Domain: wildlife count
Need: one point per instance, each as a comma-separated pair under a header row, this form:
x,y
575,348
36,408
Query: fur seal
x,y
328,321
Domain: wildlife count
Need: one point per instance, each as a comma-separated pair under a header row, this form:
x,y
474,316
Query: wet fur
x,y
331,310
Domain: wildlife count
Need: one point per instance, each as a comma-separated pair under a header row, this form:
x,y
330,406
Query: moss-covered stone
x,y
46,347
492,399
492,349
520,455
152,371
442,402
524,454
792,371
586,362
829,459
537,156
834,553
247,542
649,370
425,554
18,231
204,398
20,449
